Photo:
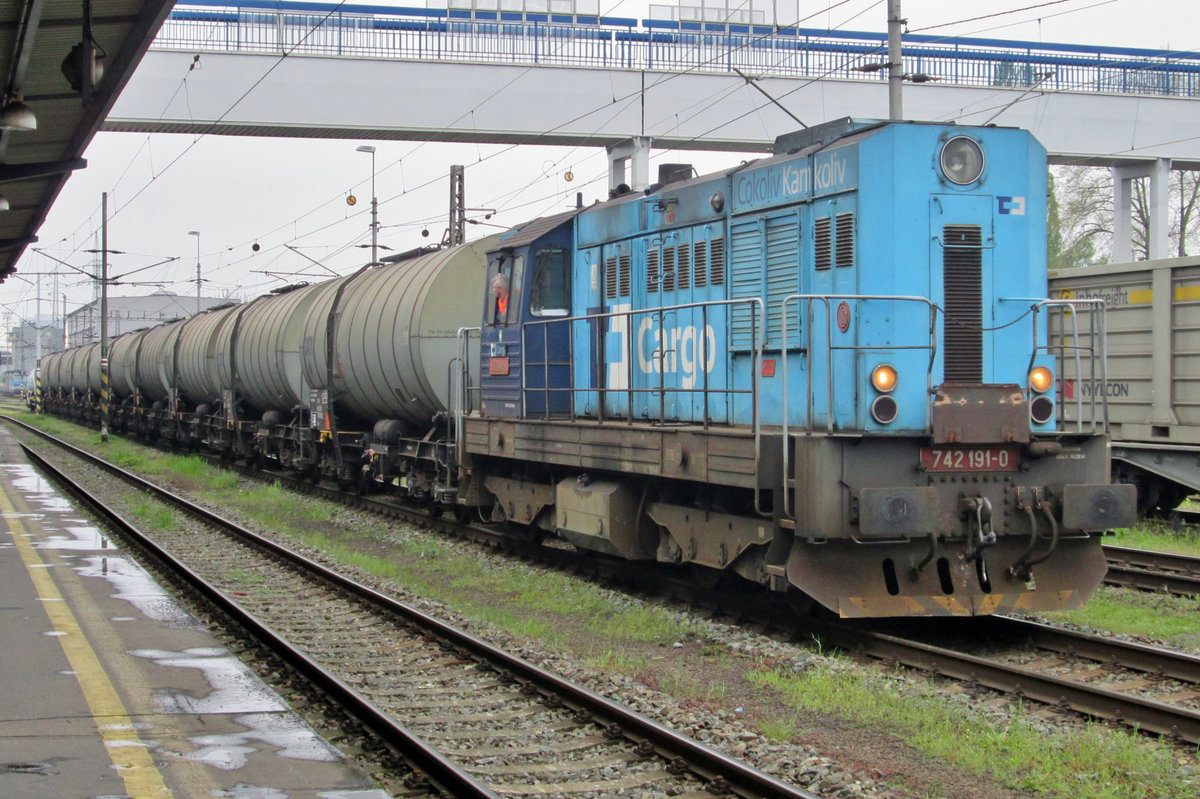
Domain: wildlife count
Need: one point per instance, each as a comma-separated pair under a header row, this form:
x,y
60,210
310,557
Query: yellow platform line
x,y
133,763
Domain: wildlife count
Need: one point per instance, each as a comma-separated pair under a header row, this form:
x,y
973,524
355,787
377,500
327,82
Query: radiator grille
x,y
668,268
823,239
716,262
845,240
652,269
623,279
610,278
962,275
700,263
683,267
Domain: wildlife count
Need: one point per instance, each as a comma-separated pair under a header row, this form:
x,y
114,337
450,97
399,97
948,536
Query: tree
x,y
1080,222
1081,216
1188,229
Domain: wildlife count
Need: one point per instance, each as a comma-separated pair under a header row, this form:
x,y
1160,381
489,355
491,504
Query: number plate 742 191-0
x,y
970,459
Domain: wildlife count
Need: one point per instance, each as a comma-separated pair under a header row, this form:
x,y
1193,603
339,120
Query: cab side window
x,y
504,289
550,291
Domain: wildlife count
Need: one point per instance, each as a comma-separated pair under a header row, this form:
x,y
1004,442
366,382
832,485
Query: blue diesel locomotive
x,y
828,372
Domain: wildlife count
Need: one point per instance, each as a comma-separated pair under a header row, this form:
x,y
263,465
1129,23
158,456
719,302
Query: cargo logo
x,y
675,350
1014,206
1093,388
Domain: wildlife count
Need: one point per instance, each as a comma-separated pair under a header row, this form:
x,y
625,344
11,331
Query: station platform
x,y
109,688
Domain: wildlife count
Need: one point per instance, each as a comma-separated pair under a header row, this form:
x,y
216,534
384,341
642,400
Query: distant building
x,y
23,344
126,314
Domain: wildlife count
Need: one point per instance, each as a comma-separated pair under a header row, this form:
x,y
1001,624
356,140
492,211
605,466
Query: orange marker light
x,y
883,378
1041,379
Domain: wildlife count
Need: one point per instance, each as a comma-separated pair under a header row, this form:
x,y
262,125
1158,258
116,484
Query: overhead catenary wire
x,y
509,193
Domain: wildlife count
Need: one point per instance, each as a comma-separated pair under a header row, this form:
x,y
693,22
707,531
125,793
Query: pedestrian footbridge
x,y
282,68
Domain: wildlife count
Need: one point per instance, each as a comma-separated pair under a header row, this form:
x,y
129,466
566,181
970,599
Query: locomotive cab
x,y
525,350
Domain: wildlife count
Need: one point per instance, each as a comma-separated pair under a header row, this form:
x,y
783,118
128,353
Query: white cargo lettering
x,y
676,350
618,372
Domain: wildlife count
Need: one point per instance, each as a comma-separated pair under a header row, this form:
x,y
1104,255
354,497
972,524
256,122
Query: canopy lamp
x,y
15,115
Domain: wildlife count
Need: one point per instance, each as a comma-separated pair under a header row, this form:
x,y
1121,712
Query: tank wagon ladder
x,y
464,392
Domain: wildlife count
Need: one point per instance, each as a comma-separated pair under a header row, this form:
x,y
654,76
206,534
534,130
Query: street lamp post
x,y
196,233
367,148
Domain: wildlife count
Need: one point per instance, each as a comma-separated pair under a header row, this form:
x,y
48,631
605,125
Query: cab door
x,y
546,342
500,336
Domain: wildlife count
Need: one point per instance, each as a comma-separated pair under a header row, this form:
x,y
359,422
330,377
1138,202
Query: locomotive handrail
x,y
830,347
460,384
660,355
1097,347
758,328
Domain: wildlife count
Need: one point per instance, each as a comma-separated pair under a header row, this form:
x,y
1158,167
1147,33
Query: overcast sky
x,y
239,191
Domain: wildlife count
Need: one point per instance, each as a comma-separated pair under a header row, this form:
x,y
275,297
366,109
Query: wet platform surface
x,y
109,688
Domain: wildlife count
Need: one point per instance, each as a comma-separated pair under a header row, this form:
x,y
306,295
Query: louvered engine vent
x,y
962,275
716,262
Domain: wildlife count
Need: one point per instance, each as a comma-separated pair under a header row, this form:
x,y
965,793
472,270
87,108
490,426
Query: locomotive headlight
x,y
883,378
1041,379
962,160
1041,410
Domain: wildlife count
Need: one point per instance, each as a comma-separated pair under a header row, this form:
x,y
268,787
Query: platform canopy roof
x,y
45,122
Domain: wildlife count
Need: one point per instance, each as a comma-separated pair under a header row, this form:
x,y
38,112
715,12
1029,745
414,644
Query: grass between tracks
x,y
1159,534
1095,762
940,720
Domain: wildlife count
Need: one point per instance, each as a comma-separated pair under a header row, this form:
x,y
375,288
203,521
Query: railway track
x,y
1153,571
475,720
1152,689
1149,688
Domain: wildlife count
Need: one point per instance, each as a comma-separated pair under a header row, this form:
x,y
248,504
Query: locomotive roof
x,y
534,229
818,136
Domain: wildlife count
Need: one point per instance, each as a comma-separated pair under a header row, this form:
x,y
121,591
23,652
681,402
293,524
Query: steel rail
x,y
1130,654
1177,584
720,769
1152,570
444,774
1146,714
